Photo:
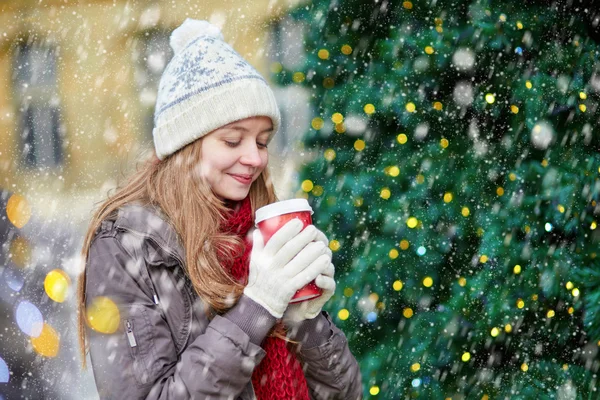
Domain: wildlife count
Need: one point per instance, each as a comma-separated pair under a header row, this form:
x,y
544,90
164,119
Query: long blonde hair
x,y
195,212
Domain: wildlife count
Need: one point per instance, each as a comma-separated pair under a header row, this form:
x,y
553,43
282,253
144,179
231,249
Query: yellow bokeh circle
x,y
346,49
369,109
334,245
317,123
48,343
428,281
402,138
337,118
323,54
18,210
359,145
307,185
57,284
343,314
408,313
412,222
385,193
103,315
466,356
404,244
397,285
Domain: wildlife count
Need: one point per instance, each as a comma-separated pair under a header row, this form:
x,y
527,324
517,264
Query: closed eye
x,y
235,144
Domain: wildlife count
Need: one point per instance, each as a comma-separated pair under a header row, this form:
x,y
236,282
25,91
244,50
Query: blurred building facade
x,y
79,83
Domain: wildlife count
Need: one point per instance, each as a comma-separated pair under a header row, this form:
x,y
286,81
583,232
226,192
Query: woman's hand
x,y
290,260
309,309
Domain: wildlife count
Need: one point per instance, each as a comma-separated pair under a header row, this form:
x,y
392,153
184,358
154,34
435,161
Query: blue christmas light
x,y
421,251
549,227
416,382
372,316
519,51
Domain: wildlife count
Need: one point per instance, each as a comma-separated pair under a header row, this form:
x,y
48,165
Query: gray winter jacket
x,y
166,347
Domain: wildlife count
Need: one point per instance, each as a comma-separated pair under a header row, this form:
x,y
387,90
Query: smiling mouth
x,y
245,179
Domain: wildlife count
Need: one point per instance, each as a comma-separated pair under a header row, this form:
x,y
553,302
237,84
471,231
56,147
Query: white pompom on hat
x,y
206,85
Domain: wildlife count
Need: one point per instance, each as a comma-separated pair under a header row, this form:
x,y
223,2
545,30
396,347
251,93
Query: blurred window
x,y
38,105
151,55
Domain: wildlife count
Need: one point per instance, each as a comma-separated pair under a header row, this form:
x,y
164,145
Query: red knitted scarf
x,y
279,375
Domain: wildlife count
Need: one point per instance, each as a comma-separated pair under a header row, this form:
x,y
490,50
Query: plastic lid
x,y
282,207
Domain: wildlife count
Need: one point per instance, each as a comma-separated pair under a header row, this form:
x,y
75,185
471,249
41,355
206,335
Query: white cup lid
x,y
282,207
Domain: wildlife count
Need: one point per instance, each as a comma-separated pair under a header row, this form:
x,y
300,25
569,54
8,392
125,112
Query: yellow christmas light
x,y
408,5
444,143
358,201
404,244
343,314
569,285
298,77
412,222
410,107
407,312
508,328
18,210
524,367
438,106
369,108
427,282
374,390
346,49
512,176
329,154
466,356
48,343
420,179
550,314
528,84
465,211
575,292
56,285
519,25
359,145
520,303
571,310
307,185
429,50
402,138
514,109
323,54
561,208
385,193
582,95
393,254
394,171
447,197
276,67
593,225
340,128
462,281
337,118
483,259
415,367
495,332
328,83
517,269
334,245
397,285
582,108
500,191
534,297
103,315
317,123
490,98
318,190
348,292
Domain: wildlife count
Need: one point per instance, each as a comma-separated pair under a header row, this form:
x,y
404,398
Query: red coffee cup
x,y
272,217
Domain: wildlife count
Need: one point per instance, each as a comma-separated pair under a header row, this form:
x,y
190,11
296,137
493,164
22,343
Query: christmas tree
x,y
455,169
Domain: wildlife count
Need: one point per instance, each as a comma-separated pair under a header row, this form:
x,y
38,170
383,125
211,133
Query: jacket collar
x,y
149,221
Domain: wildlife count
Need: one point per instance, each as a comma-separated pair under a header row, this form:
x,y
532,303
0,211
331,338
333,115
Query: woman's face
x,y
234,155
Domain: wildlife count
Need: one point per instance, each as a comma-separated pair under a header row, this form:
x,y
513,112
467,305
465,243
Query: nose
x,y
251,156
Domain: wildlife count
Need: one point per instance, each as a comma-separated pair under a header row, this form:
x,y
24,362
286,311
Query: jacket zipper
x,y
130,335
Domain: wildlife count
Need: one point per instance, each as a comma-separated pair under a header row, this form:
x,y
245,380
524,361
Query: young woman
x,y
169,255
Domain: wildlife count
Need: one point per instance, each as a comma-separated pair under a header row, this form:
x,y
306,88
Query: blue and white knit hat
x,y
206,85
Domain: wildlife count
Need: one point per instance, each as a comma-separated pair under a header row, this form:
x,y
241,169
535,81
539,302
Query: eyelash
x,y
234,144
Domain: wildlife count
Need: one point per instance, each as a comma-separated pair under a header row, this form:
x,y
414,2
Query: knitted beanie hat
x,y
206,85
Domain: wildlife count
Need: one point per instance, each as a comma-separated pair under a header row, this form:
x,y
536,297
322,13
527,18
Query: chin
x,y
235,196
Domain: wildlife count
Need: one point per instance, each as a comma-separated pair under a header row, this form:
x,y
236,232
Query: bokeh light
x,y
103,315
29,319
47,343
18,210
56,285
4,373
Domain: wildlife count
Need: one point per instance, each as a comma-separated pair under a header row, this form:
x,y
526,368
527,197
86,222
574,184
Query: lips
x,y
245,179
